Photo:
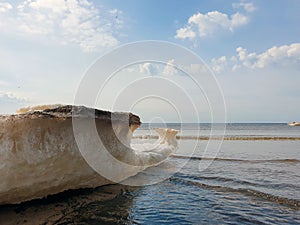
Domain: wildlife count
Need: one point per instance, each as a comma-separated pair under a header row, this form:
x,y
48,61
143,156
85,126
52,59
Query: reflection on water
x,y
103,205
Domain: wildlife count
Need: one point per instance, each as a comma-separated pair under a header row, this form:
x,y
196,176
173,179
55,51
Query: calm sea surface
x,y
251,175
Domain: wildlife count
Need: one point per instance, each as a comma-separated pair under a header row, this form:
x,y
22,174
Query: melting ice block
x,y
40,156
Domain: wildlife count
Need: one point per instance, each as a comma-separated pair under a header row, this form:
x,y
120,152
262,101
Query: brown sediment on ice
x,y
69,111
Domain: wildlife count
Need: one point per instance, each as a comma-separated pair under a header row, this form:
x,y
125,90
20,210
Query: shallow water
x,y
249,182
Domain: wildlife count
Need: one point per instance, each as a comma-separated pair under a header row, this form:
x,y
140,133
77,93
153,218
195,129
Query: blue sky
x,y
253,48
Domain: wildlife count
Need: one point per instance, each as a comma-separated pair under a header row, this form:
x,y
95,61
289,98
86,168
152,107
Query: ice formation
x,y
39,154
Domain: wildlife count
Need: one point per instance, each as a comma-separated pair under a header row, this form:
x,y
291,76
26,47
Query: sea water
x,y
250,175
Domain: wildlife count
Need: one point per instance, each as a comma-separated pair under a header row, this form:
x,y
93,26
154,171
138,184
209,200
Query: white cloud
x,y
203,25
247,6
282,55
185,32
75,22
152,69
170,69
219,65
5,6
8,97
247,59
148,68
10,102
238,20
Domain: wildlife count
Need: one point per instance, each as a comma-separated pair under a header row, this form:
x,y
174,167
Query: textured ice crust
x,y
39,155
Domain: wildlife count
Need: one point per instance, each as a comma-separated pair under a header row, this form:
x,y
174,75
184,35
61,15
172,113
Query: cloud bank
x,y
276,56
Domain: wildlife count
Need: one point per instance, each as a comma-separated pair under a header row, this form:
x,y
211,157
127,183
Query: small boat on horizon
x,y
294,124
